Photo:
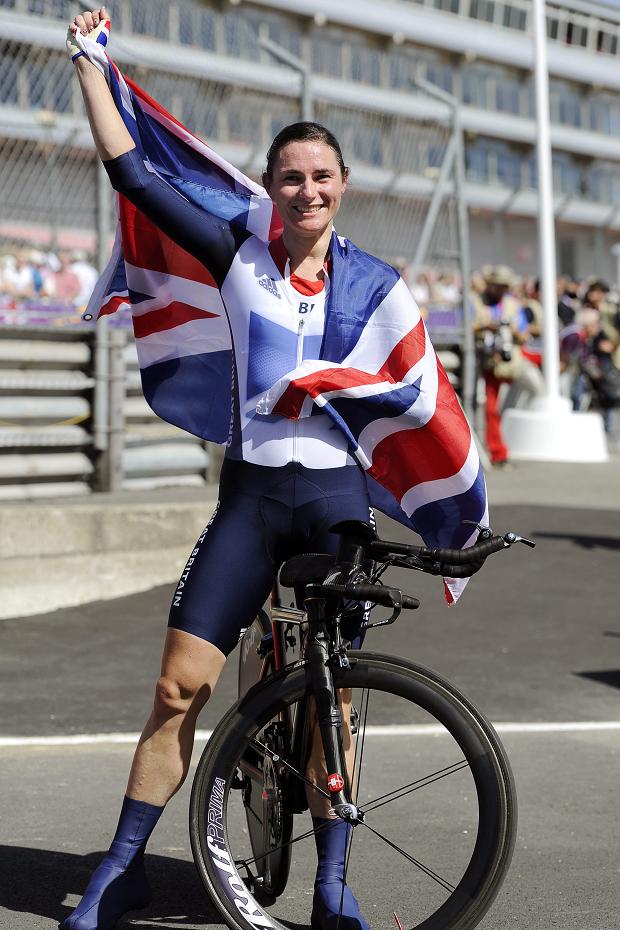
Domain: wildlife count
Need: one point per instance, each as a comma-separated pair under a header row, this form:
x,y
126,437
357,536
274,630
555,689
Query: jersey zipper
x,y
300,355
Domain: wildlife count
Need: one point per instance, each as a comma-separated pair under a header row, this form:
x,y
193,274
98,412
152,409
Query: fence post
x,y
468,387
102,332
116,429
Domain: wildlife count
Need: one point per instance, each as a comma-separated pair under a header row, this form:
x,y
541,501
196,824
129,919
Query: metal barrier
x,y
48,444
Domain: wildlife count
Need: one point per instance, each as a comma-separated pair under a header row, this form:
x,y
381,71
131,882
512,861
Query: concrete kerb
x,y
63,553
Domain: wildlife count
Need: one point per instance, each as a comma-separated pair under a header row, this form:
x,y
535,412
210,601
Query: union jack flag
x,y
378,378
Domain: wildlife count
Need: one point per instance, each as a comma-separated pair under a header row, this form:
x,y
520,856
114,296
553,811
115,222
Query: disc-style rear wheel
x,y
432,782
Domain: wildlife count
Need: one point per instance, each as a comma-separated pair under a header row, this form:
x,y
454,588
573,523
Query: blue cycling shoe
x,y
119,883
330,901
111,892
326,906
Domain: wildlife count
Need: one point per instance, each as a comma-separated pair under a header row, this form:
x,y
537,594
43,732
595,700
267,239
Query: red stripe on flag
x,y
435,451
401,359
175,314
147,247
405,353
112,305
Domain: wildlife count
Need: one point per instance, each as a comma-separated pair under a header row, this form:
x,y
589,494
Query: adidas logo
x,y
269,285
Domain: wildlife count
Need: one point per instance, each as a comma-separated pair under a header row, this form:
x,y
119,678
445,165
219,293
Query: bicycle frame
x,y
315,649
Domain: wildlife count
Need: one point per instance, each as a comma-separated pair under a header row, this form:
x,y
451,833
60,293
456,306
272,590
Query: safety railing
x,y
51,444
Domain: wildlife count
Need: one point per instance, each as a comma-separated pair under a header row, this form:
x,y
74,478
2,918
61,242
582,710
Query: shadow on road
x,y
37,881
582,540
609,677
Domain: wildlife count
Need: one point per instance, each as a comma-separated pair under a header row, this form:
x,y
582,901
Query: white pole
x,y
546,223
548,430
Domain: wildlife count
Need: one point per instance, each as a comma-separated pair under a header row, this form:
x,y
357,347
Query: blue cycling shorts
x,y
263,517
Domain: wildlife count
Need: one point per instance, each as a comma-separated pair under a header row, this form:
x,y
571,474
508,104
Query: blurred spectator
x,y
86,273
502,324
446,289
568,300
65,286
495,320
529,383
598,295
421,289
18,279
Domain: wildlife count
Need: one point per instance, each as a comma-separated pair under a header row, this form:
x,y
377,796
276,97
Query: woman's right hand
x,y
109,131
88,24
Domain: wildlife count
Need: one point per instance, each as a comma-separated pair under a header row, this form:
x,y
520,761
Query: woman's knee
x,y
173,698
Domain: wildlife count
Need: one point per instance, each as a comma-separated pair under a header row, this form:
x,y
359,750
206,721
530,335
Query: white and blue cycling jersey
x,y
274,327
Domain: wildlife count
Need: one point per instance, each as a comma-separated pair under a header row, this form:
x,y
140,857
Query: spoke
x,y
253,813
287,765
397,793
296,839
359,744
420,865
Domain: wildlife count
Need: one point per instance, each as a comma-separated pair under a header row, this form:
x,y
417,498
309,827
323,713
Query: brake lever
x,y
512,538
485,531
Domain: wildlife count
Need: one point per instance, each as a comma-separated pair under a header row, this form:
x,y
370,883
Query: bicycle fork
x,y
329,715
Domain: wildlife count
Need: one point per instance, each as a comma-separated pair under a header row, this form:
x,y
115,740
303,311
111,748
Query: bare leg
x,y
190,669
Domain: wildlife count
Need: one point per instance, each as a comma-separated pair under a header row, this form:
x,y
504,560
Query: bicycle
x,y
456,810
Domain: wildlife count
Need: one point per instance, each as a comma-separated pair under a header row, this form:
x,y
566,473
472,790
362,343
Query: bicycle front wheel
x,y
431,779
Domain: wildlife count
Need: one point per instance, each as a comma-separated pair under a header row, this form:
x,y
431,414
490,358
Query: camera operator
x,y
497,318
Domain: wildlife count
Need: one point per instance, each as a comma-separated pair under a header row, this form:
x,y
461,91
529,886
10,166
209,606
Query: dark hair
x,y
304,132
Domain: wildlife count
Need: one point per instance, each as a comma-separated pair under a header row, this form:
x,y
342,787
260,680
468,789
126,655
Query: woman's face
x,y
306,187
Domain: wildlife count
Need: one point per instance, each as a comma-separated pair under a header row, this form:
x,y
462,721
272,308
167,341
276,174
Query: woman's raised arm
x,y
109,132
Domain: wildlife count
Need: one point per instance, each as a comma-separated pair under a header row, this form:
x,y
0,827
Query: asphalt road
x,y
536,639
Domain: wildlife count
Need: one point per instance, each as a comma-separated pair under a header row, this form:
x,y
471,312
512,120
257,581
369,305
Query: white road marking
x,y
93,739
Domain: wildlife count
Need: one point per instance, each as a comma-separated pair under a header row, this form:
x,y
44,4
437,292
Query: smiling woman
x,y
307,306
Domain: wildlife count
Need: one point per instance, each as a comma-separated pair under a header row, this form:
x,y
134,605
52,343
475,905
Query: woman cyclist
x,y
284,483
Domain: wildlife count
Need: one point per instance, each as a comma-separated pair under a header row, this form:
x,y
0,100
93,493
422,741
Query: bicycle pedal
x,y
354,720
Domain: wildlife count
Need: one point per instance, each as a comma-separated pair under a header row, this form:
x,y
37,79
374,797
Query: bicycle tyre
x,y
213,839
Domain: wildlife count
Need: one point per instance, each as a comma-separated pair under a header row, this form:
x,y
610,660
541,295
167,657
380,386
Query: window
x,y
198,29
474,83
365,65
507,94
477,163
9,71
566,176
402,71
45,91
441,75
327,56
565,104
509,168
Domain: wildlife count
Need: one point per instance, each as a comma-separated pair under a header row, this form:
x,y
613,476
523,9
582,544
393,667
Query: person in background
x,y
600,297
18,279
65,286
498,338
86,273
529,382
568,300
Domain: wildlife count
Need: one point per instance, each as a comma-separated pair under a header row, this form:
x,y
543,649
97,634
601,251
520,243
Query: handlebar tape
x,y
378,594
476,553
